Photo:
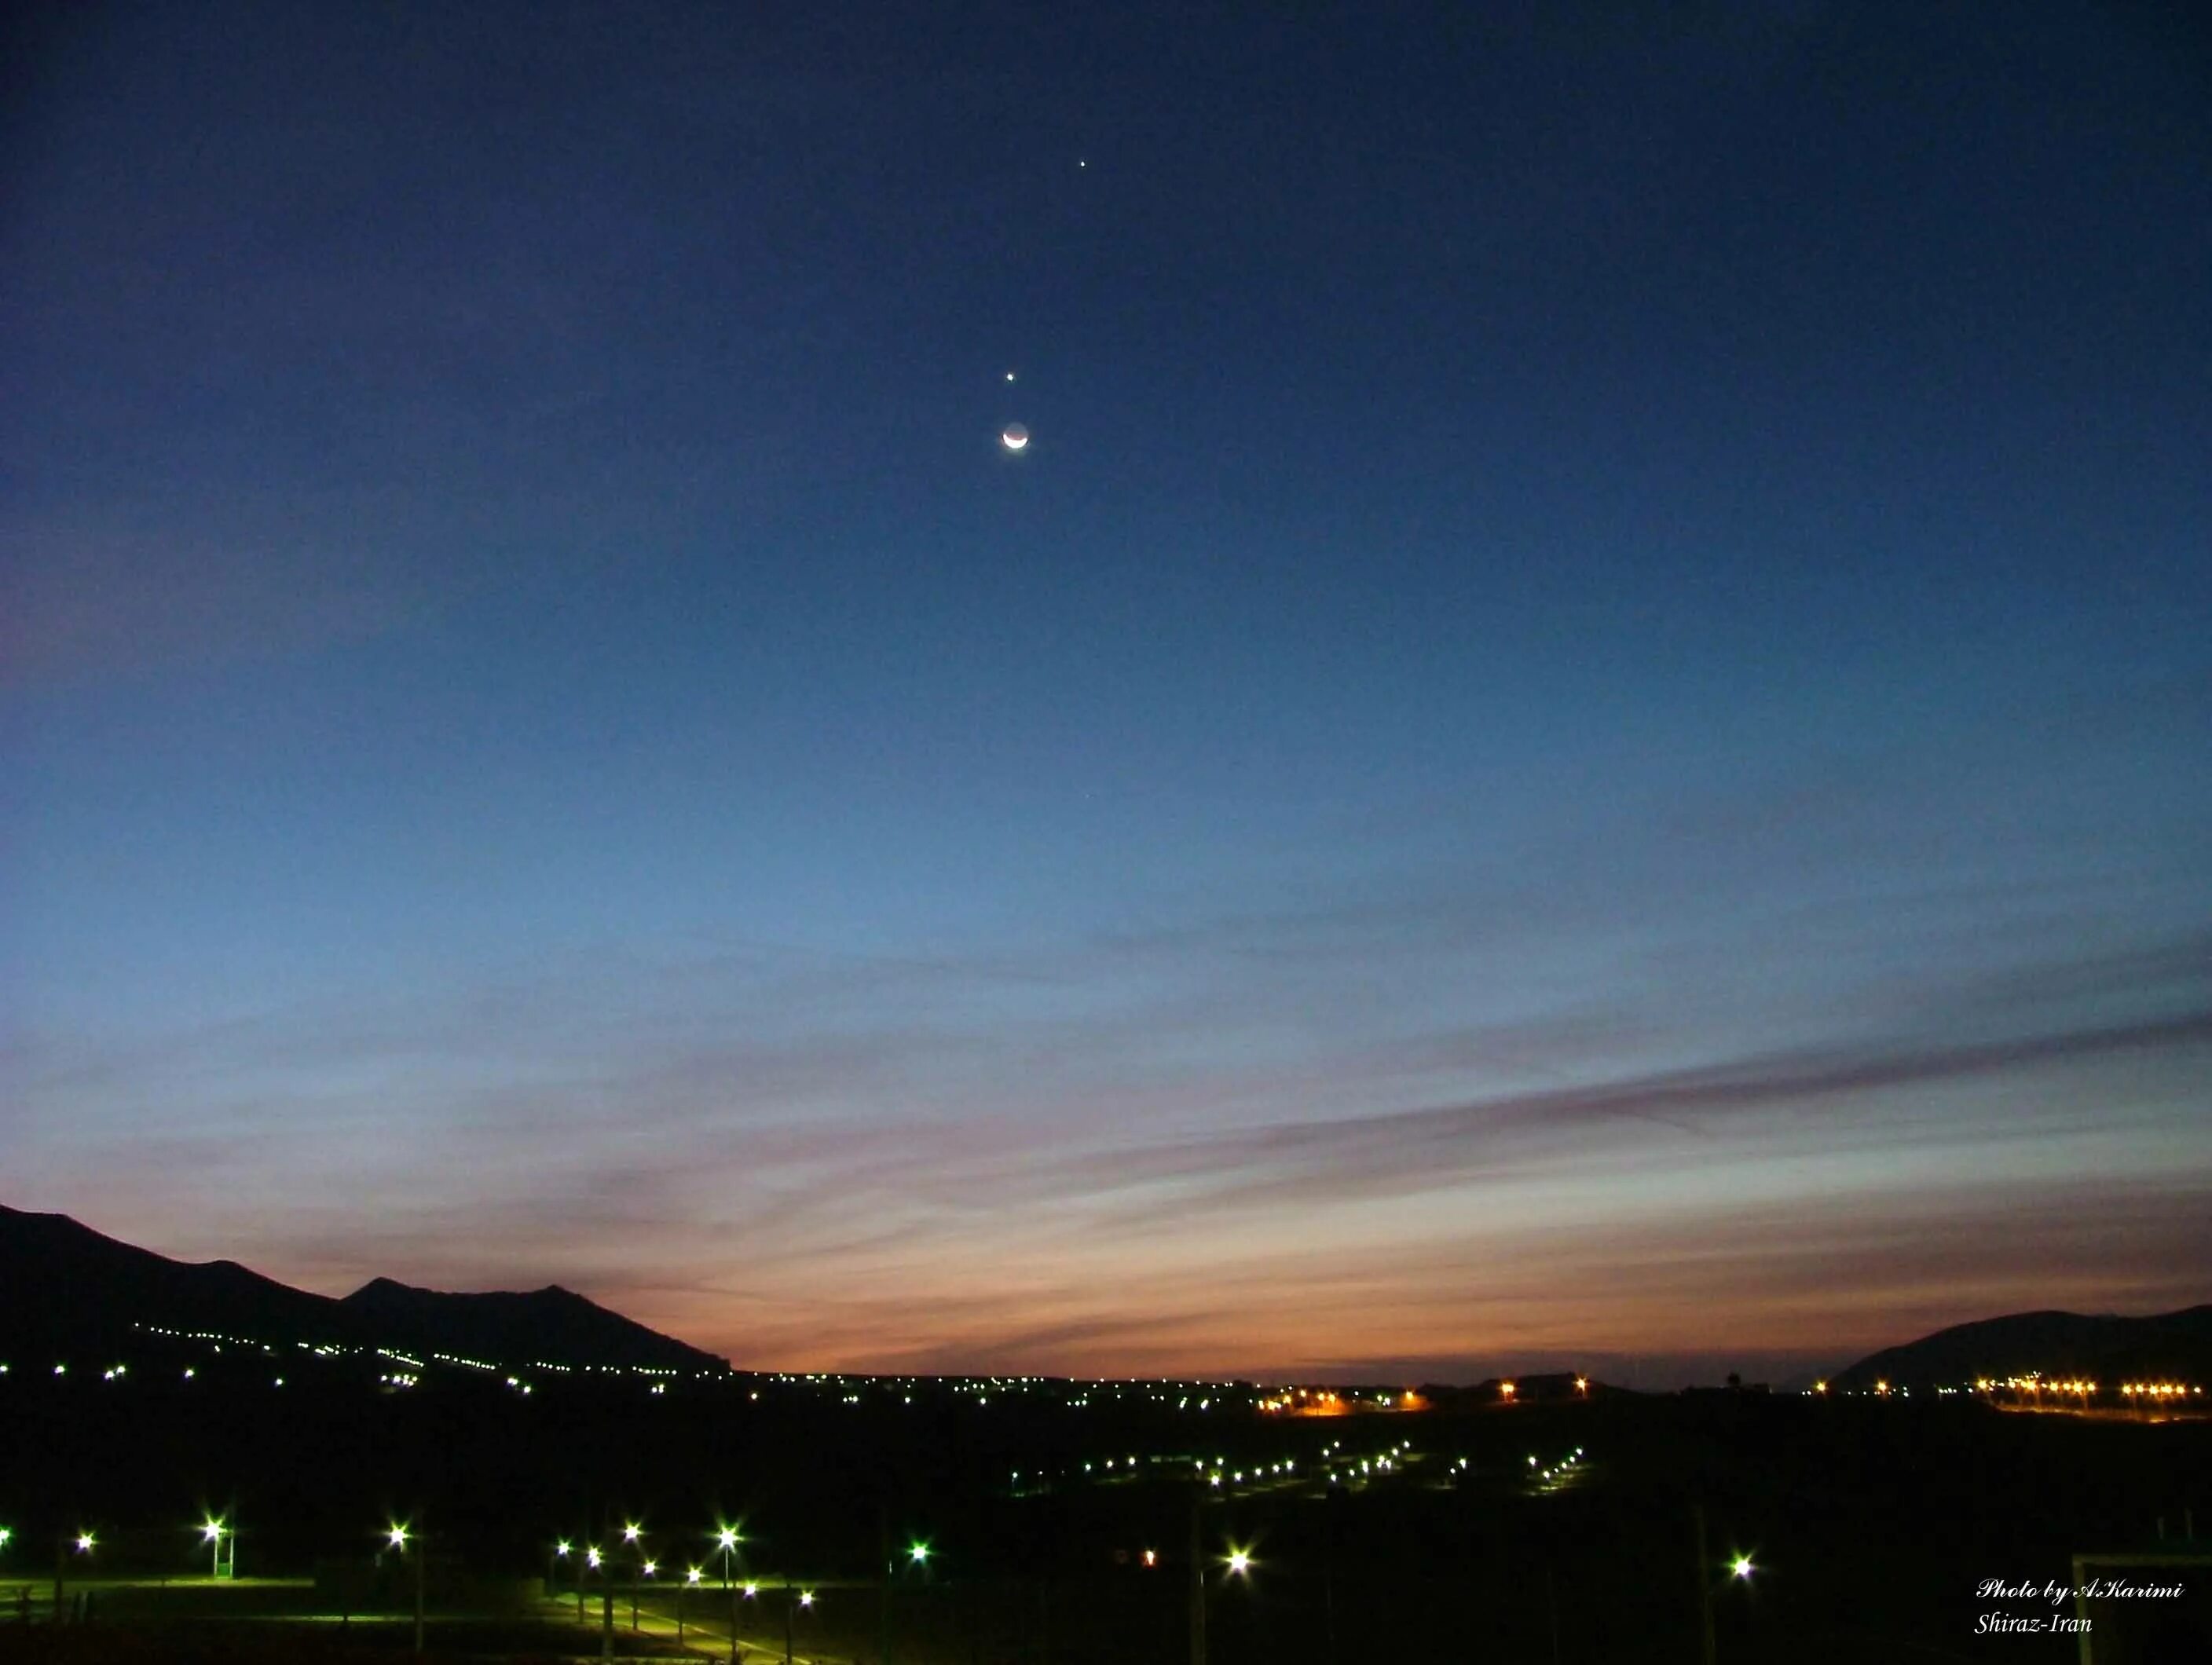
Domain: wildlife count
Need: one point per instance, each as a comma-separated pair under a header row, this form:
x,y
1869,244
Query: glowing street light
x,y
84,1543
396,1537
790,1607
918,1554
1239,1562
1740,1567
213,1531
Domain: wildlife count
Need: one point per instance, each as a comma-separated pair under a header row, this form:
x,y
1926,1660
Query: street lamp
x,y
726,1540
213,1531
634,1535
398,1536
1740,1568
806,1600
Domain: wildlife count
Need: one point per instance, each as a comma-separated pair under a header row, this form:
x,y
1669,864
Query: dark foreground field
x,y
1871,1528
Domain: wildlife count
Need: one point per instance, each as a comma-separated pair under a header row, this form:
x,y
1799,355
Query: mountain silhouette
x,y
550,1325
2171,1347
69,1289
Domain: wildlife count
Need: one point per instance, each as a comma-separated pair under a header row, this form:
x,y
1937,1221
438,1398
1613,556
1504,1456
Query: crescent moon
x,y
1015,437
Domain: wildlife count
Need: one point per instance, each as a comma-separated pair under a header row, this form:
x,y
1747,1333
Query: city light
x,y
1240,1562
919,1553
560,1548
726,1538
211,1531
84,1541
1740,1567
592,1560
396,1537
751,1590
630,1533
691,1576
806,1598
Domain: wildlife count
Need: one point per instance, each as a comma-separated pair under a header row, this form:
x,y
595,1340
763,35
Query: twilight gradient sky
x,y
1585,737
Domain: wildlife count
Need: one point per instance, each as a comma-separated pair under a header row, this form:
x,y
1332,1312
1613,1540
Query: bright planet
x,y
1015,436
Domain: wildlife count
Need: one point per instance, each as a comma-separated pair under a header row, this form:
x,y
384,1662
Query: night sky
x,y
1584,736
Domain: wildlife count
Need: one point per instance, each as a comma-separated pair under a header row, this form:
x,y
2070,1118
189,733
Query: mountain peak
x,y
83,1288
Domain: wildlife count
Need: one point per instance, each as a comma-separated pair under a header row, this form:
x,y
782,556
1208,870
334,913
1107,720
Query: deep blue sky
x,y
1582,736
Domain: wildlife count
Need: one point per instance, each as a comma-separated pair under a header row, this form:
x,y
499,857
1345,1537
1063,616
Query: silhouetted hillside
x,y
551,1324
2171,1345
64,1285
68,1288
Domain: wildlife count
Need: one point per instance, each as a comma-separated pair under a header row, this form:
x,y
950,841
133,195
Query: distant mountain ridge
x,y
552,1325
64,1286
2172,1346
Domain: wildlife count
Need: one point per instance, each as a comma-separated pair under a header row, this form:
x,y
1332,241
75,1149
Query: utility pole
x,y
1704,1586
1197,1586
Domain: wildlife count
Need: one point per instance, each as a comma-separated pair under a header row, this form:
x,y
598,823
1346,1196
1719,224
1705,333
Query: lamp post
x,y
82,1543
401,1537
634,1535
726,1539
806,1600
1740,1567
